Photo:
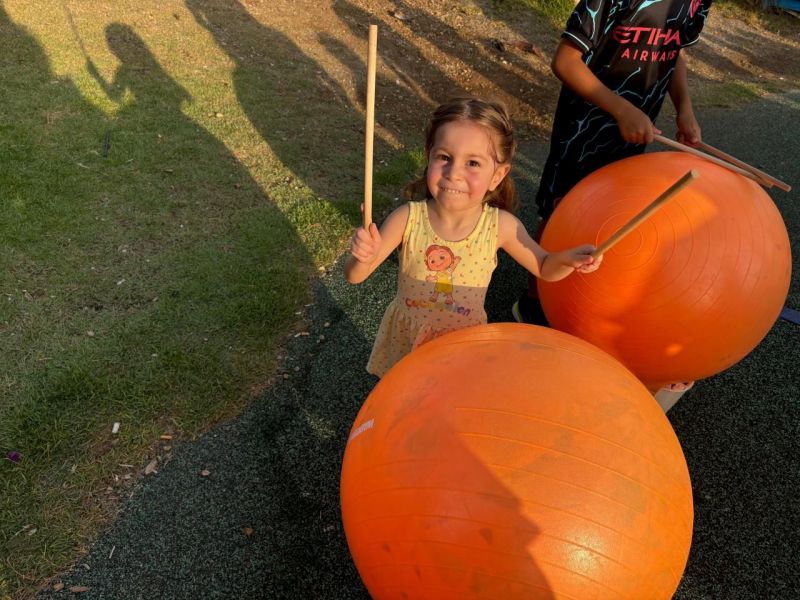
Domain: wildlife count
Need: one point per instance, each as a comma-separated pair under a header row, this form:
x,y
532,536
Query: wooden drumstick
x,y
684,148
372,59
768,179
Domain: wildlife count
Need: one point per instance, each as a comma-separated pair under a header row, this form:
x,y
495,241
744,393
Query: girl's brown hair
x,y
494,117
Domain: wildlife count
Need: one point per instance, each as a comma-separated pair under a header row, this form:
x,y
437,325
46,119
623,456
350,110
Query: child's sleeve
x,y
588,24
698,13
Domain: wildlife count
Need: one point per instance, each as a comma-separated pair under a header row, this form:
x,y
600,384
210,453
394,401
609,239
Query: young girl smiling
x,y
450,231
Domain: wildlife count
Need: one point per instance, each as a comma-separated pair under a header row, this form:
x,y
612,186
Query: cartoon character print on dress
x,y
441,285
442,262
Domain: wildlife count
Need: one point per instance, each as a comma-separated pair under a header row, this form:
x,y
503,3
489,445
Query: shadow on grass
x,y
302,112
140,283
264,522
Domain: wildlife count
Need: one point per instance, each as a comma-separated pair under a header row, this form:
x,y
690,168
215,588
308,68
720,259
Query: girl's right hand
x,y
365,244
635,126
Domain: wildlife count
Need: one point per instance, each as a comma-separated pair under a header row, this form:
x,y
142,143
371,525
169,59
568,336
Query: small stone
x,y
399,15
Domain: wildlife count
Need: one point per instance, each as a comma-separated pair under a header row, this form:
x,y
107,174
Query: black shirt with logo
x,y
632,47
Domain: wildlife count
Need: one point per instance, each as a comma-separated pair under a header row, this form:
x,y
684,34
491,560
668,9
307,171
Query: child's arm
x,y
550,266
688,127
634,125
369,248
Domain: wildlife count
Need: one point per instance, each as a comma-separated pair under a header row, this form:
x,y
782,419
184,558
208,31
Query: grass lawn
x,y
155,249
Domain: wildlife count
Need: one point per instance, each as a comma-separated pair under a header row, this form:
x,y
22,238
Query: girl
x,y
449,240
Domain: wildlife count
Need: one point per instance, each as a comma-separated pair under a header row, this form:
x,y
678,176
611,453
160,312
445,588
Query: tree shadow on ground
x,y
327,151
469,66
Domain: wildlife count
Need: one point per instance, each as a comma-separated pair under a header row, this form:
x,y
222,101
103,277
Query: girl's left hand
x,y
592,265
582,260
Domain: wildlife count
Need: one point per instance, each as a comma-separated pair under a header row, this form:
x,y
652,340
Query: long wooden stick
x,y
370,128
768,179
646,212
684,148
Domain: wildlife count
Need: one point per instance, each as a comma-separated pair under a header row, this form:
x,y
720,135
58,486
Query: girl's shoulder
x,y
395,224
508,225
506,216
400,213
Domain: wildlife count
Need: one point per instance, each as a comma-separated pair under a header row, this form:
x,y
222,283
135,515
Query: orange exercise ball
x,y
510,461
689,292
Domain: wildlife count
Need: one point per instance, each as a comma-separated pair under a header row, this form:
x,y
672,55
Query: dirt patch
x,y
431,50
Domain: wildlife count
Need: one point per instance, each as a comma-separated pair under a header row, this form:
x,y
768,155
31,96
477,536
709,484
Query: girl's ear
x,y
500,173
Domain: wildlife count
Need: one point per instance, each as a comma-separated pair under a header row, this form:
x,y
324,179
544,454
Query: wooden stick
x,y
768,180
684,148
646,212
370,129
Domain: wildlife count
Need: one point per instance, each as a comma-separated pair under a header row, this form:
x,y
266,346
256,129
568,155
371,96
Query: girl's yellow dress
x,y
441,285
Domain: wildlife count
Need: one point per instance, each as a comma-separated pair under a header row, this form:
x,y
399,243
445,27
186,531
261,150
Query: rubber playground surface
x,y
264,522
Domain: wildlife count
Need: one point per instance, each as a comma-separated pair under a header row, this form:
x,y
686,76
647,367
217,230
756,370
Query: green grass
x,y
753,13
401,168
554,12
146,281
731,93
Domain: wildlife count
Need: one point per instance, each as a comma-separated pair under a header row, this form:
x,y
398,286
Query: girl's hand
x,y
365,244
635,126
581,259
371,246
688,128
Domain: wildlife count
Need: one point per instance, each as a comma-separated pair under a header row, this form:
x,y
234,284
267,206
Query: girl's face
x,y
461,167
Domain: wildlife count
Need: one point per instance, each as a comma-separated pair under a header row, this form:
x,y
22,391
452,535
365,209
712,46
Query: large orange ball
x,y
688,293
511,461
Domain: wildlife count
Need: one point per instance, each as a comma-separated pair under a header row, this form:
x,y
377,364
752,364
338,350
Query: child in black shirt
x,y
617,60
